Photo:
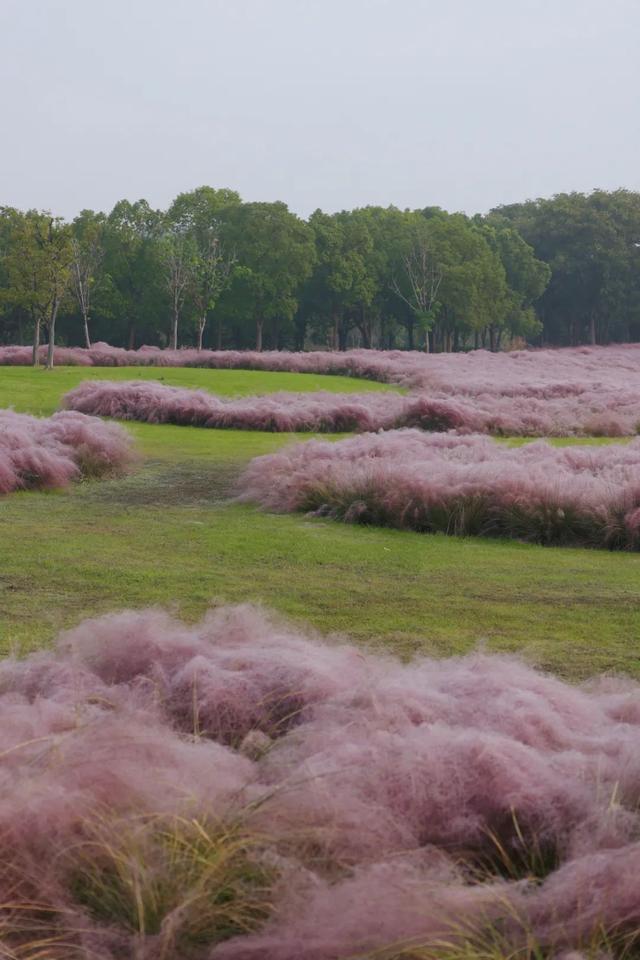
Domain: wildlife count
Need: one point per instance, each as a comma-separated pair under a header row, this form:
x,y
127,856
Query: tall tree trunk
x,y
389,338
36,342
410,340
50,345
202,322
301,333
476,339
427,343
87,339
132,337
52,336
492,338
276,334
592,329
364,328
219,334
335,326
174,328
342,335
259,325
366,336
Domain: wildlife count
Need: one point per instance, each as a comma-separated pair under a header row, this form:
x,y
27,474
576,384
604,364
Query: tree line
x,y
214,271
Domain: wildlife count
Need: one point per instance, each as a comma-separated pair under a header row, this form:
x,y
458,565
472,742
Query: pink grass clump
x,y
324,412
535,373
153,402
466,485
53,451
394,803
589,391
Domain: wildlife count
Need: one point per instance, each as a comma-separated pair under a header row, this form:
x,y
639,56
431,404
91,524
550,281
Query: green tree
x,y
527,278
344,274
136,294
276,253
178,255
202,218
87,261
38,269
13,313
453,281
418,273
590,244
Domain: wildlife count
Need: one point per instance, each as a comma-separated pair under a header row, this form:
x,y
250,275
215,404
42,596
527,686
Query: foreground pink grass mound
x,y
465,485
237,789
53,451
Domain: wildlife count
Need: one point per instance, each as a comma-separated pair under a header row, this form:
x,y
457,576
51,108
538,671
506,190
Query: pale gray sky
x,y
329,103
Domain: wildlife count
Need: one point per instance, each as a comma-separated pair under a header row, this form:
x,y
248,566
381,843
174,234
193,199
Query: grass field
x,y
168,534
39,391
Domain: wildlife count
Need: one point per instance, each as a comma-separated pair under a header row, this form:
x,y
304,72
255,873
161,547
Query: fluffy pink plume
x,y
323,412
460,485
588,391
399,801
534,373
154,402
53,451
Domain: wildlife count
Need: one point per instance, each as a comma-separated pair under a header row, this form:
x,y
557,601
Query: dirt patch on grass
x,y
157,483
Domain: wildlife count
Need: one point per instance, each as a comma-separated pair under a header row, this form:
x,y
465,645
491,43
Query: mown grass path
x,y
168,534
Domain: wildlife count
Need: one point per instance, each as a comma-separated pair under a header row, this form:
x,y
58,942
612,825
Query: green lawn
x,y
39,391
168,534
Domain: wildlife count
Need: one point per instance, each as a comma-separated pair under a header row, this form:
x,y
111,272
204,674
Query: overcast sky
x,y
321,103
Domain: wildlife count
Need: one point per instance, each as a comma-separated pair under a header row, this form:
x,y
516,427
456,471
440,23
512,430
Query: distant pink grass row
x,y
602,413
396,801
467,485
53,451
534,373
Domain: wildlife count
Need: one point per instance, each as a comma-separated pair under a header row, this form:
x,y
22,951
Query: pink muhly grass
x,y
53,451
388,804
324,412
534,373
156,403
465,485
586,391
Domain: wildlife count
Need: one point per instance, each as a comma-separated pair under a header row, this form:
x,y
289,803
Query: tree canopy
x,y
215,271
